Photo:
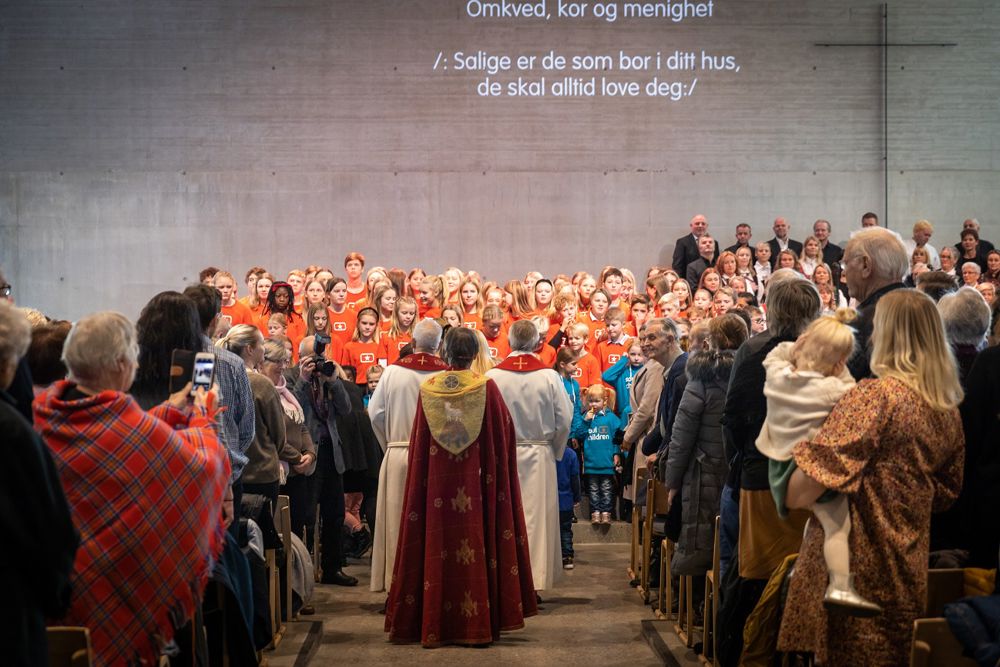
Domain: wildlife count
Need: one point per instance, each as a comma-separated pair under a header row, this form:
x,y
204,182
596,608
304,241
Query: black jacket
x,y
39,541
794,246
746,408
685,252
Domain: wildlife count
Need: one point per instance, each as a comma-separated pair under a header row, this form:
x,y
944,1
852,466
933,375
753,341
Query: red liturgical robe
x,y
462,572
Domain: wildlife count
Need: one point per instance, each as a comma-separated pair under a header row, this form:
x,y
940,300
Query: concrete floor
x,y
592,617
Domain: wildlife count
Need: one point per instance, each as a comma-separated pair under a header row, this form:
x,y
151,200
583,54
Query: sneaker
x,y
595,518
568,563
606,518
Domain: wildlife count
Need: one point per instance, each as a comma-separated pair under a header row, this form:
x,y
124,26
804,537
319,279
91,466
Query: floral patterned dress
x,y
897,460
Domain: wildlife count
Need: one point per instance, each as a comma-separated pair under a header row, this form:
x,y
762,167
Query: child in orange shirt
x,y
343,320
279,300
639,312
318,322
495,333
277,325
599,304
472,304
614,281
617,342
297,279
384,301
431,295
354,266
588,368
400,332
545,352
232,310
362,350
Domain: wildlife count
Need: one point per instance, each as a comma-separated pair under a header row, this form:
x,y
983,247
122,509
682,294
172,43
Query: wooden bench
x,y
934,644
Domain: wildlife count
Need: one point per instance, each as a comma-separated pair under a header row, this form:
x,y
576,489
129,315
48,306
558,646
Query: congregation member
x,y
973,225
39,539
781,241
874,265
832,253
276,360
922,232
462,500
391,408
707,255
696,468
764,539
894,446
322,396
131,586
970,250
236,430
949,260
686,248
743,234
541,410
966,317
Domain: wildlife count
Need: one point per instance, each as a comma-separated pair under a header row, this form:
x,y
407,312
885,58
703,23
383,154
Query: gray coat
x,y
696,463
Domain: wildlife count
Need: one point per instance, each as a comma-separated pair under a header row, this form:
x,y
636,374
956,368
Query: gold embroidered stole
x,y
454,403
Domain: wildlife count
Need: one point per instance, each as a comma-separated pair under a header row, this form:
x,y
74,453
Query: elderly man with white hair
x,y
966,318
875,263
39,538
391,409
542,413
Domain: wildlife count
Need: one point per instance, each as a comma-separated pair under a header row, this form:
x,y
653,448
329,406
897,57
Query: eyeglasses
x,y
5,290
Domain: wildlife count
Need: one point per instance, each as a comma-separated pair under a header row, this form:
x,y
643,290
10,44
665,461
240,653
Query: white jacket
x,y
798,403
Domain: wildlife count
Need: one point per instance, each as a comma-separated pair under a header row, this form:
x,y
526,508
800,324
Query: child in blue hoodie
x,y
568,477
566,366
620,377
600,454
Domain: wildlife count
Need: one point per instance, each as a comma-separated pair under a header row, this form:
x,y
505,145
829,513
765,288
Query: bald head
x,y
699,224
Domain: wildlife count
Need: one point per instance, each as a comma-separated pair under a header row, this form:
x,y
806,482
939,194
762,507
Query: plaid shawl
x,y
145,490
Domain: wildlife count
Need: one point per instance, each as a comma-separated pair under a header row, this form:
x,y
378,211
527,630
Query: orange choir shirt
x,y
472,321
296,330
240,313
499,346
342,324
588,370
609,353
360,355
389,347
598,332
548,355
352,299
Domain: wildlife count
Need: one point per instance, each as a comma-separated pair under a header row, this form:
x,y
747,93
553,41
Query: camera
x,y
320,341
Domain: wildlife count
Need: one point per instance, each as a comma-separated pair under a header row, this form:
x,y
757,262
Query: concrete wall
x,y
141,141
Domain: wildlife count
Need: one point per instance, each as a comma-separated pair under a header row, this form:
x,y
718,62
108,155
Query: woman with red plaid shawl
x,y
145,490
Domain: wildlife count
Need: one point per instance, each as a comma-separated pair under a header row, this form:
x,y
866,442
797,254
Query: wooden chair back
x,y
70,647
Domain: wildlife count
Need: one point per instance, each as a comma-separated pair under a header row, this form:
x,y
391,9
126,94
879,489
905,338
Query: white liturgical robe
x,y
391,409
542,413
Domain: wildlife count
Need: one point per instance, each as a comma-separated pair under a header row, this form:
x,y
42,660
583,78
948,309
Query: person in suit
x,y
708,253
832,253
686,247
743,234
781,241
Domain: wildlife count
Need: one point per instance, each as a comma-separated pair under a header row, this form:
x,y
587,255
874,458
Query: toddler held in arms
x,y
805,379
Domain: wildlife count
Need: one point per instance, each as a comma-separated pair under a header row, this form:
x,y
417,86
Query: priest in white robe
x,y
542,413
391,409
